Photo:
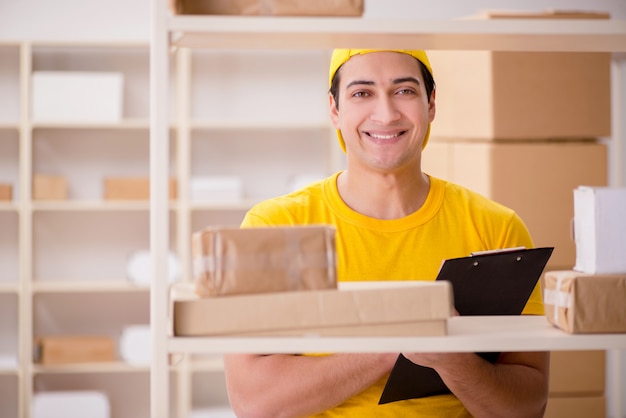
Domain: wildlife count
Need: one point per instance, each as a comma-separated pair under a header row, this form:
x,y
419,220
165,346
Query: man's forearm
x,y
516,386
291,386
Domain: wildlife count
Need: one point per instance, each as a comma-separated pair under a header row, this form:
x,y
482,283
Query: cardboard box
x,y
74,349
600,229
577,373
406,308
584,303
269,7
228,261
576,407
510,95
77,96
132,188
535,179
6,191
46,187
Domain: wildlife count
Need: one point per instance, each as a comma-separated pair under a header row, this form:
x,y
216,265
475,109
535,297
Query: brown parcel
x,y
585,303
47,187
6,191
566,95
74,349
410,308
132,188
228,261
269,7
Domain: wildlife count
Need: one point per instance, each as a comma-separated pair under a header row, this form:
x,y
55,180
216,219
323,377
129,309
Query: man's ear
x,y
432,108
334,112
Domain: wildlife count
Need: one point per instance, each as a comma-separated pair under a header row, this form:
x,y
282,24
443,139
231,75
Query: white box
x,y
77,96
71,404
600,229
216,189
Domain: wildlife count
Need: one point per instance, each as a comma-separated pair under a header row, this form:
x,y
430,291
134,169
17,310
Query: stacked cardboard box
x,y
6,191
577,385
523,128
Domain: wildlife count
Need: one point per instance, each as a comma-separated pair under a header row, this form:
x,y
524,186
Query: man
x,y
393,222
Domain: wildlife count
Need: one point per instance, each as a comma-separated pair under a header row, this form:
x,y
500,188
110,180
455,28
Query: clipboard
x,y
487,283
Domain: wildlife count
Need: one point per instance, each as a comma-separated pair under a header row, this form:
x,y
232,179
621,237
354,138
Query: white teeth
x,y
377,136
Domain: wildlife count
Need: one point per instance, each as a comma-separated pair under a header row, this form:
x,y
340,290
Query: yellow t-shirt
x,y
453,222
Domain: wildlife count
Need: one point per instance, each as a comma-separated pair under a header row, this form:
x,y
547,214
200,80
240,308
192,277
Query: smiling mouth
x,y
384,137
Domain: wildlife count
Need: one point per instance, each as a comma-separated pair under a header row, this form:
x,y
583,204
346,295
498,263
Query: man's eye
x,y
360,94
406,91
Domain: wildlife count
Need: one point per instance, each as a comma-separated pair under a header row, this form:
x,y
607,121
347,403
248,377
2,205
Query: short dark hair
x,y
429,82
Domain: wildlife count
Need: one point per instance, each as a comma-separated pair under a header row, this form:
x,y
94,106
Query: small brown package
x,y
228,261
6,191
584,303
74,349
46,187
132,188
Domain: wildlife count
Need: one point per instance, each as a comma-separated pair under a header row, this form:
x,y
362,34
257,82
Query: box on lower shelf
x,y
53,350
390,309
269,7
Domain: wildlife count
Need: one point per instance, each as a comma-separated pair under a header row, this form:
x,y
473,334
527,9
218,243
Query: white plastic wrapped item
x,y
216,189
138,267
71,404
135,345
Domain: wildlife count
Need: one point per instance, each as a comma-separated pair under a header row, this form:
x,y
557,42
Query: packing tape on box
x,y
557,298
292,261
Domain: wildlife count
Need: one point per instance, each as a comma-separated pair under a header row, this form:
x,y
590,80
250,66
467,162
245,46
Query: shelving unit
x,y
63,261
185,34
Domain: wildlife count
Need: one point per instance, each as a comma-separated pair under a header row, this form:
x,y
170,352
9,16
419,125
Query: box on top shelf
x,y
132,188
229,260
511,95
75,349
583,303
389,309
600,229
269,7
535,179
77,96
49,187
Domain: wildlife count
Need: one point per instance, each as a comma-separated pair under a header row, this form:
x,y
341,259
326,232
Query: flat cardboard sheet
x,y
408,308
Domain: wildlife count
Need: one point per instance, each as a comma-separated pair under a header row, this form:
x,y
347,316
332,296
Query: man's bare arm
x,y
515,386
280,385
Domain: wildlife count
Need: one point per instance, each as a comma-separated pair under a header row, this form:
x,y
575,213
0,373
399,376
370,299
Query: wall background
x,y
128,20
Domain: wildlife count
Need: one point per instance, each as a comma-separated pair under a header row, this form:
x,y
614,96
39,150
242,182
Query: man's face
x,y
383,112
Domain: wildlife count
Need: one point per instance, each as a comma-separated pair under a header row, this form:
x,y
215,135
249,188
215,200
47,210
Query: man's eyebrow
x,y
395,81
406,80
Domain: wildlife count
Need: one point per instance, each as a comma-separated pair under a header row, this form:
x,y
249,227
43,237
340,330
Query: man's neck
x,y
384,196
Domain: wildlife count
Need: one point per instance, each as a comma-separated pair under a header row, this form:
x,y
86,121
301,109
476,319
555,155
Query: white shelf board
x,y
104,367
91,205
8,206
199,125
228,32
244,204
465,334
126,124
95,286
9,287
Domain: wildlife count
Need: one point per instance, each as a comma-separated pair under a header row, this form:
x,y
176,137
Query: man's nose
x,y
385,111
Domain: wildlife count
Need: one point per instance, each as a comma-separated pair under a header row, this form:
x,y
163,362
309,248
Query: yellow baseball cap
x,y
340,56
